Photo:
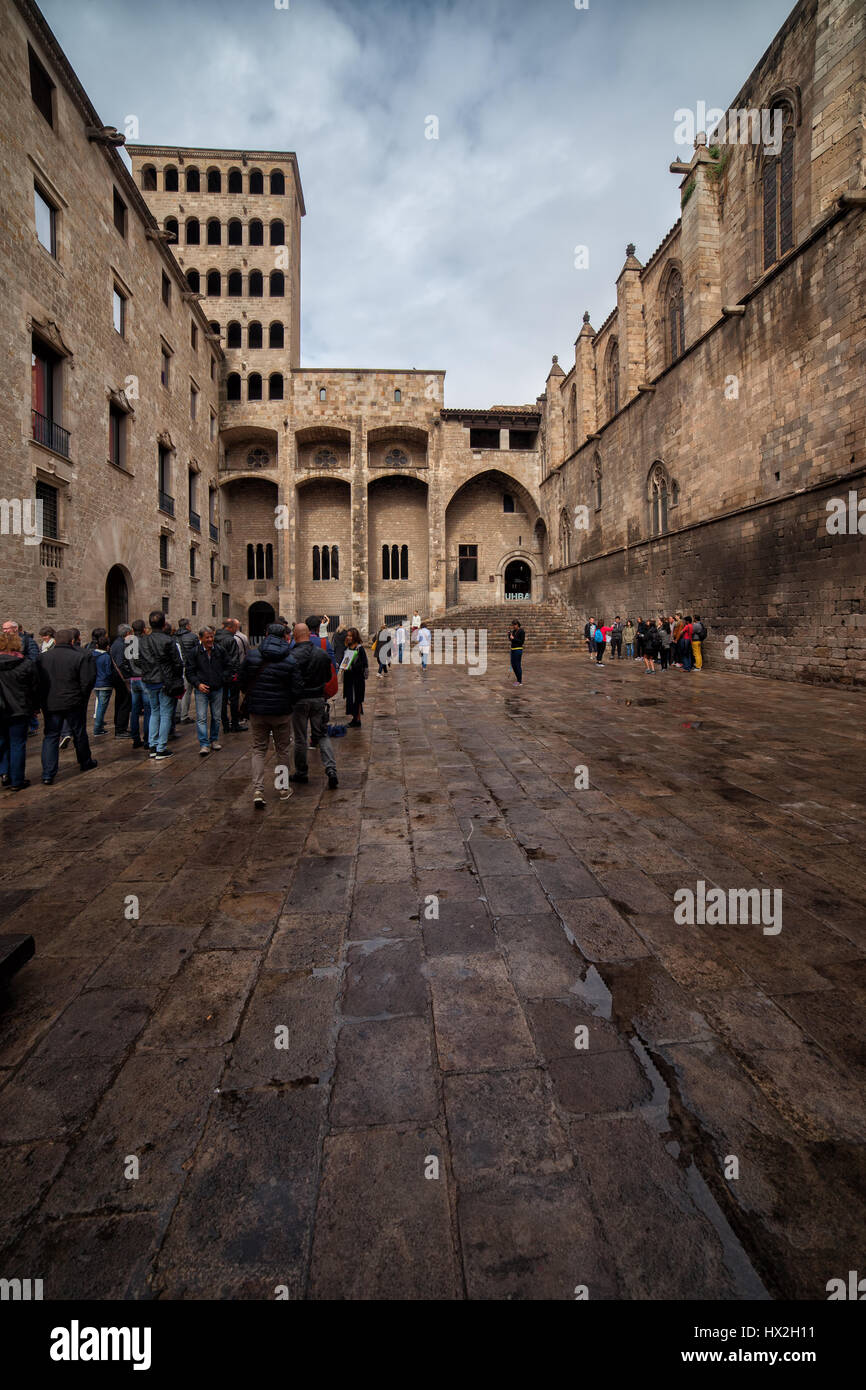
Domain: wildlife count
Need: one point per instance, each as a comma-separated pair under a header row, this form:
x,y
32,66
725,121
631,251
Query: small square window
x,y
194,608
323,395
41,88
46,220
166,290
119,312
119,213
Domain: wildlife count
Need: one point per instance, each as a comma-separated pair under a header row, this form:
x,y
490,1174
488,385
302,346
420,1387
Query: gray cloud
x,y
555,129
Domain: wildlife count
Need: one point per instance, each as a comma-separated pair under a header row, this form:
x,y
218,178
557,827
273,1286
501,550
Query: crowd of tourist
x,y
666,643
162,677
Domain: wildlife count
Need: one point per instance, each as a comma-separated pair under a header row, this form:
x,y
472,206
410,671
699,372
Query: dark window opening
x,y
234,336
236,181
278,182
48,496
236,284
233,387
214,284
163,552
193,181
256,284
507,502
193,232
404,562
214,181
484,439
116,428
148,178
119,213
236,233
467,563
254,387
254,335
276,335
51,593
193,279
256,233
522,439
275,387
278,233
166,290
170,182
41,87
214,232
269,562
317,563
257,181
326,562
277,284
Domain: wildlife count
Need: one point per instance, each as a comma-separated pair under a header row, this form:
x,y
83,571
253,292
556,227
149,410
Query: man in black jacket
x,y
188,642
314,667
162,676
67,674
269,677
230,647
205,673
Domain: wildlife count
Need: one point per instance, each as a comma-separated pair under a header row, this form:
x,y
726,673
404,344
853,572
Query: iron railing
x,y
166,503
214,531
49,433
195,521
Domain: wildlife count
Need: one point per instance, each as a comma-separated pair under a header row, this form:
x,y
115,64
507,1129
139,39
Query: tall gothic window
x,y
572,419
675,333
596,481
777,195
564,537
612,378
659,500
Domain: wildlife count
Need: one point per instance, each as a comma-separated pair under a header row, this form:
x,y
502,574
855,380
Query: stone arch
x,y
481,538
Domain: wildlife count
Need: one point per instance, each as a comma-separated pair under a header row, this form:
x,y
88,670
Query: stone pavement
x,y
430,1129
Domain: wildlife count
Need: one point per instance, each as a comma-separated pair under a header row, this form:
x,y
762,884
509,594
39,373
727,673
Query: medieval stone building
x,y
185,458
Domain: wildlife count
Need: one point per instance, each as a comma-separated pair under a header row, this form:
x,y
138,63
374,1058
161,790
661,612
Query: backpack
x,y
699,631
599,635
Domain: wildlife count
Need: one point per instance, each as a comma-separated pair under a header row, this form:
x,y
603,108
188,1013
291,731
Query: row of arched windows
x,y
326,562
255,335
212,285
260,561
662,493
213,231
212,182
255,387
395,562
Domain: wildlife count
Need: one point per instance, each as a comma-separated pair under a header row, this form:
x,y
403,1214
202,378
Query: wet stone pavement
x,y
504,1071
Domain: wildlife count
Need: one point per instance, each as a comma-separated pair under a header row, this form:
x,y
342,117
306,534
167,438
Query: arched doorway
x,y
116,600
518,580
258,618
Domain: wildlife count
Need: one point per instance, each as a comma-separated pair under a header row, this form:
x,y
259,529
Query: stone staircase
x,y
550,626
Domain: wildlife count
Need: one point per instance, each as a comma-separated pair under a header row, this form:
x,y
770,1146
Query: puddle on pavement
x,y
592,990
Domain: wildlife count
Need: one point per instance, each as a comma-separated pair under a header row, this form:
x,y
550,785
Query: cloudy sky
x,y
555,130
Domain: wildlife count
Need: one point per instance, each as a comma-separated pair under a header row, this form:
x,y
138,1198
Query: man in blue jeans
x,y
205,672
162,675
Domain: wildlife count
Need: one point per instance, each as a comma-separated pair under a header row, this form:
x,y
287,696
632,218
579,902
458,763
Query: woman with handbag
x,y
354,667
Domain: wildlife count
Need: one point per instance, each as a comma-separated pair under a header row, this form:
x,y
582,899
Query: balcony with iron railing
x,y
50,434
214,532
166,503
195,520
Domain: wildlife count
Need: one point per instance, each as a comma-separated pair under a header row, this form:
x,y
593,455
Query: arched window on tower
x,y
214,232
193,232
170,225
251,561
236,284
278,182
170,178
675,332
233,387
254,387
233,338
326,562
254,335
257,182
275,386
335,562
612,378
564,538
193,279
214,181
214,284
148,178
277,284
278,232
256,284
236,233
256,232
275,335
395,562
777,196
236,181
658,500
193,180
